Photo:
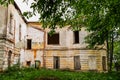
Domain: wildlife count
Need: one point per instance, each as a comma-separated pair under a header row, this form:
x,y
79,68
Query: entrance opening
x,y
56,62
9,58
37,64
77,62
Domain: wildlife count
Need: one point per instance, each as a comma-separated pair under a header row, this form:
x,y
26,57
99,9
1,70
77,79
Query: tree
x,y
6,2
102,19
52,12
117,52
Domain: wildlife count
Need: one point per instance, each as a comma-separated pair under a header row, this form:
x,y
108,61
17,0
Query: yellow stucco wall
x,y
67,58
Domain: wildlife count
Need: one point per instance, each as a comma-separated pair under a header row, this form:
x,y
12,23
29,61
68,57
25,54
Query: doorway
x,y
9,58
56,62
77,62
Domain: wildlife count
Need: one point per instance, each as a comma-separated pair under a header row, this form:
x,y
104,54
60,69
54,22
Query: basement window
x,y
76,36
29,43
28,63
53,39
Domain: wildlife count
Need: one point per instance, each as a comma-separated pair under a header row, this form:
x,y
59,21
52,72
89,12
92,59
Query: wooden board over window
x,y
92,63
77,62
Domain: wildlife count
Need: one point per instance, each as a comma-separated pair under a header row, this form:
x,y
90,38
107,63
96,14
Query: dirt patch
x,y
47,78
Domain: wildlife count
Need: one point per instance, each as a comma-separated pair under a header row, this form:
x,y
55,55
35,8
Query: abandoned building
x,y
28,44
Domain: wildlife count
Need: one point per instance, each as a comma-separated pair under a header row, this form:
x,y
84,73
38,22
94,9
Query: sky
x,y
26,7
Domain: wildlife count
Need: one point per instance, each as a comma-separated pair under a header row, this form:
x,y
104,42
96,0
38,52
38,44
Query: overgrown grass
x,y
46,74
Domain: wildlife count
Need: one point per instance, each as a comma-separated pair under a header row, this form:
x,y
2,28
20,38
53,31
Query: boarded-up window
x,y
104,63
76,36
56,62
77,62
29,43
92,62
53,39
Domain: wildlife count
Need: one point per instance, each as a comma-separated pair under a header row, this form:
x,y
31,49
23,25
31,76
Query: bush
x,y
47,74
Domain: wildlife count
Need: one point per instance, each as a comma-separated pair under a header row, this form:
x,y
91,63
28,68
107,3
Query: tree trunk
x,y
111,51
108,53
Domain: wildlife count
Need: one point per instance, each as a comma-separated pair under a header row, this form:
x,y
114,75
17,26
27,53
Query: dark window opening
x,y
53,39
76,36
56,62
29,43
11,24
20,32
28,63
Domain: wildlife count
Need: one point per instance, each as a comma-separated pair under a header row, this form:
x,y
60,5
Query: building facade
x,y
34,47
26,43
11,24
66,49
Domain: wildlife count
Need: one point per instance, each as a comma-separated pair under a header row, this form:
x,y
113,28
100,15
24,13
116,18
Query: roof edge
x,y
17,7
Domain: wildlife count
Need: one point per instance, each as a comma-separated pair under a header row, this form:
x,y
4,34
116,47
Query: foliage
x,y
6,2
52,12
37,74
102,20
15,67
117,50
101,17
